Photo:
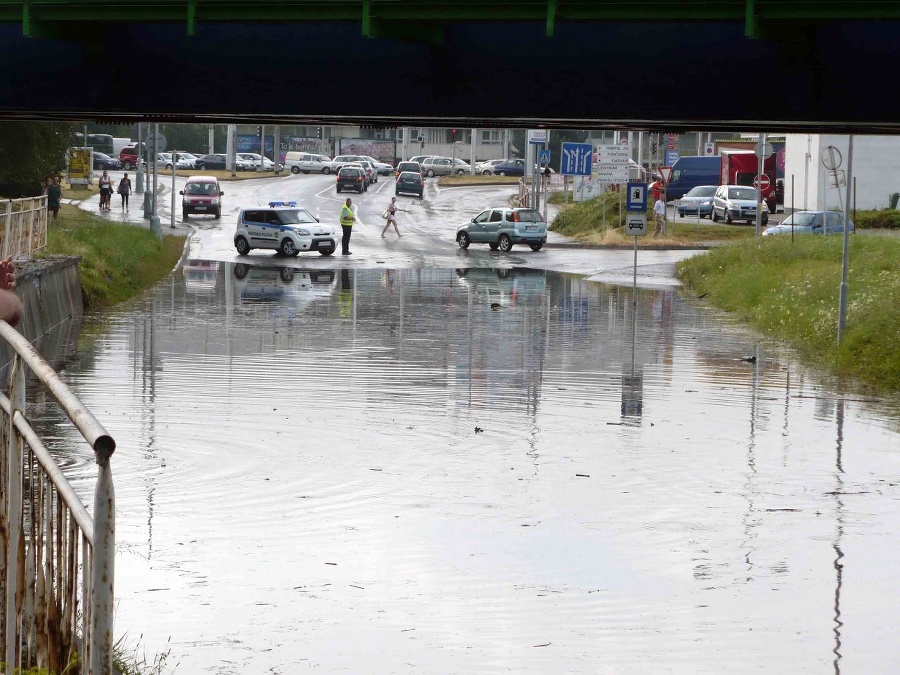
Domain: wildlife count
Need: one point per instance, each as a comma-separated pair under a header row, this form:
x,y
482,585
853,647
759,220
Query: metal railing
x,y
56,562
23,226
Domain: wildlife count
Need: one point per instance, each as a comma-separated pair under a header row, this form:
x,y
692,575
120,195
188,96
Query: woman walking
x,y
391,211
105,191
124,189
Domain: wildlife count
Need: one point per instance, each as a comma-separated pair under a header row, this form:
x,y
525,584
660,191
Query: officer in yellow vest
x,y
347,220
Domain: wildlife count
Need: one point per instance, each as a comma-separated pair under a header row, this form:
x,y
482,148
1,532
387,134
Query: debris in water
x,y
479,430
496,305
748,359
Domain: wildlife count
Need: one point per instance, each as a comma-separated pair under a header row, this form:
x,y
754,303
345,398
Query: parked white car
x,y
254,159
486,168
444,166
382,168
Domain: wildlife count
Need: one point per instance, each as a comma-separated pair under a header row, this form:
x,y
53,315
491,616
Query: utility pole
x,y
842,308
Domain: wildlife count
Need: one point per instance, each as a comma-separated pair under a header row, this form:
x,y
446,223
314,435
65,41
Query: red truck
x,y
739,167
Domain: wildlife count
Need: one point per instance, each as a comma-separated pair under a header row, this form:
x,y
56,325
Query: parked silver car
x,y
444,166
737,202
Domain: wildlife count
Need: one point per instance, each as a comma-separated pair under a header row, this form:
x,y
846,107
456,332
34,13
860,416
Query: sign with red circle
x,y
762,182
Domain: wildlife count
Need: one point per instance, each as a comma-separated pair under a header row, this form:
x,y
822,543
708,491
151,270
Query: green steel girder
x,y
385,18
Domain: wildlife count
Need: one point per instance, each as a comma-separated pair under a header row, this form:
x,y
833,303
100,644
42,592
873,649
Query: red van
x,y
201,195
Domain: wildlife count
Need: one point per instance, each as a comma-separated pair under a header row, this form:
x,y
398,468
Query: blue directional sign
x,y
636,201
544,157
577,159
671,157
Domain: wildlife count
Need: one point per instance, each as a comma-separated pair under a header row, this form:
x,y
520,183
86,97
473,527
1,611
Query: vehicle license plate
x,y
200,208
531,228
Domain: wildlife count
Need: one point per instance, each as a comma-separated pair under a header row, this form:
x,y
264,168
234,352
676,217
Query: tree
x,y
29,153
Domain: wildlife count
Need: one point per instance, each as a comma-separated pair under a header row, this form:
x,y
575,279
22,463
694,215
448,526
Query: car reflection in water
x,y
288,287
200,276
505,354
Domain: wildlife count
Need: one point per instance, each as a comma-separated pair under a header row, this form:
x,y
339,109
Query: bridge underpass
x,y
718,64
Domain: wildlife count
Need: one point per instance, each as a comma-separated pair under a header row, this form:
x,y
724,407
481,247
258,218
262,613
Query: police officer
x,y
347,220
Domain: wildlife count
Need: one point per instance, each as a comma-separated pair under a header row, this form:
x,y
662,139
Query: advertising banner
x,y
79,165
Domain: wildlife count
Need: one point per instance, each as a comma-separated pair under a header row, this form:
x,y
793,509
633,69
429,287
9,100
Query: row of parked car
x,y
739,203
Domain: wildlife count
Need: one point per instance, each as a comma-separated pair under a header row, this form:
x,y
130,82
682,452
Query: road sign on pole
x,y
537,136
709,149
612,164
671,157
762,182
637,198
666,173
577,159
636,225
544,157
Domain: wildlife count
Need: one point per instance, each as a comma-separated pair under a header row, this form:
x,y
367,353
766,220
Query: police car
x,y
285,228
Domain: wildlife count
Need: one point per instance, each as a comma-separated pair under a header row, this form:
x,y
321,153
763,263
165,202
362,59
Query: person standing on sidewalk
x,y
659,215
105,184
124,189
347,220
391,211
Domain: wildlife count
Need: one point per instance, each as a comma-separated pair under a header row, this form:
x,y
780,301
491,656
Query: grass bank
x,y
598,221
466,181
791,293
117,261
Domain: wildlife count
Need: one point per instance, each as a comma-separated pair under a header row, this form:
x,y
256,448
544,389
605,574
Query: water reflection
x,y
436,470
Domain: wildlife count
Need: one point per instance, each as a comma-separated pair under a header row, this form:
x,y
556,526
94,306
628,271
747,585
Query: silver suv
x,y
444,166
500,228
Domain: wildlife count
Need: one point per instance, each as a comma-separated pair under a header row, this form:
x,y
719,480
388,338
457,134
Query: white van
x,y
306,162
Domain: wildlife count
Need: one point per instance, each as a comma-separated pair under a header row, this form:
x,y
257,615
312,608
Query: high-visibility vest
x,y
347,215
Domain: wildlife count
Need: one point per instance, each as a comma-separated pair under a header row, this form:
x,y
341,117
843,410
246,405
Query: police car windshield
x,y
296,216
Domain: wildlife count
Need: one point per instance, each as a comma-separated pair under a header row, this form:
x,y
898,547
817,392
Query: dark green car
x,y
410,182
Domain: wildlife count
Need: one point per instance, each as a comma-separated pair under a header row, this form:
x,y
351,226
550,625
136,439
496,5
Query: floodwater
x,y
484,471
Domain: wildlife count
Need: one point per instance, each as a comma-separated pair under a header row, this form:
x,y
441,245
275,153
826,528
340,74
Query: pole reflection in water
x,y
438,470
839,532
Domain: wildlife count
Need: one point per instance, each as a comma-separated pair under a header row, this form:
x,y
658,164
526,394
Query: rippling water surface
x,y
442,471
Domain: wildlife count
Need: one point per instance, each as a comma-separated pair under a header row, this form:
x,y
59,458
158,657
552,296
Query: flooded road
x,y
484,470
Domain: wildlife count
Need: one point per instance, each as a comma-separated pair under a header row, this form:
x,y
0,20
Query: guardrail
x,y
23,226
56,562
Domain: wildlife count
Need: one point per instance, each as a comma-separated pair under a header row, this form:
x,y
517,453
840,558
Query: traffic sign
x,y
577,159
709,149
637,198
537,136
544,157
613,162
160,141
636,225
671,156
666,173
762,182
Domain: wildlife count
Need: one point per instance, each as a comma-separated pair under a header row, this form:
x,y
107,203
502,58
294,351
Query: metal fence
x,y
23,226
56,562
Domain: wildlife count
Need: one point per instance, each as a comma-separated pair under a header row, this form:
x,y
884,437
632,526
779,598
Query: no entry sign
x,y
762,182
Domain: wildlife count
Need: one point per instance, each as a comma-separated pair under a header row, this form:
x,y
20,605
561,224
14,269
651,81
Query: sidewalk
x,y
134,215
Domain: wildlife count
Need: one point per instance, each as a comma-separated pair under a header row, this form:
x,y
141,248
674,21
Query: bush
x,y
875,220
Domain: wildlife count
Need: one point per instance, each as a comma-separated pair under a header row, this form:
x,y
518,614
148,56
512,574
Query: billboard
x,y
79,164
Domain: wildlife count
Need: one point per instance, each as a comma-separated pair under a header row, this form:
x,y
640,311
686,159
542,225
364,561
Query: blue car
x,y
104,161
810,222
698,201
512,167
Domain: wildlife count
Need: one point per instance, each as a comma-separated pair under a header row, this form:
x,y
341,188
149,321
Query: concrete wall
x,y
876,166
50,291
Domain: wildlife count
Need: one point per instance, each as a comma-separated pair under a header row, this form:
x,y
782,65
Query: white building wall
x,y
876,167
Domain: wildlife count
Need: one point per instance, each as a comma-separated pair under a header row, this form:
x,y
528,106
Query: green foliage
x,y
29,152
133,660
791,292
117,261
588,217
880,219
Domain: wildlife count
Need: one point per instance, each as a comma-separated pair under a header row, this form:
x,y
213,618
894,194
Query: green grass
x,y
117,261
585,221
466,180
791,293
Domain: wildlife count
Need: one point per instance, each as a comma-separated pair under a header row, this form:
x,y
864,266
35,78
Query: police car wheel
x,y
287,247
243,248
